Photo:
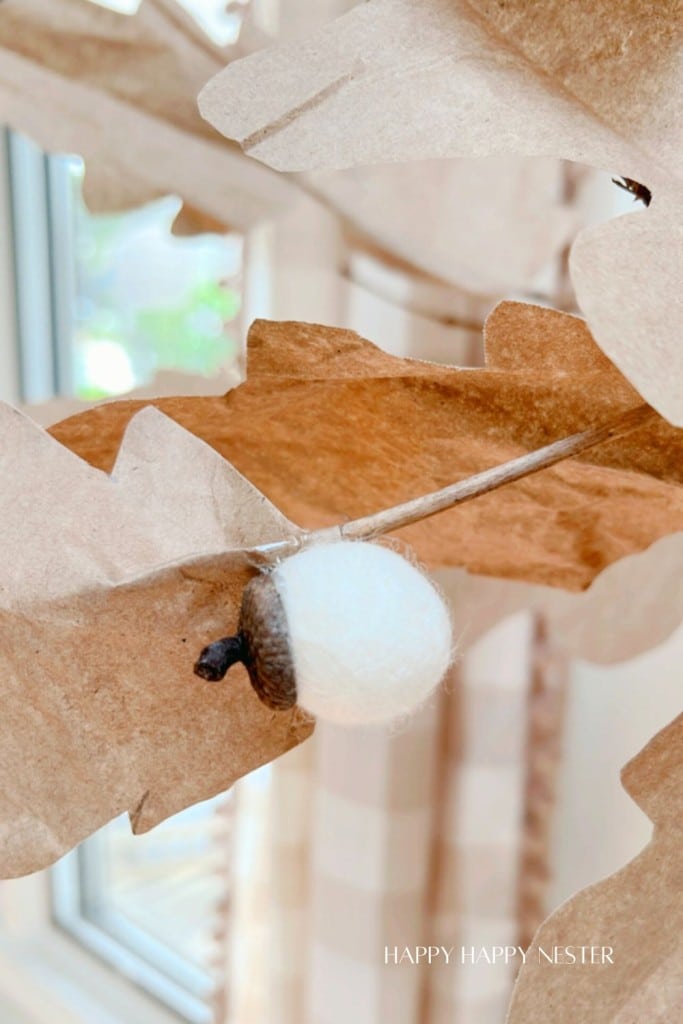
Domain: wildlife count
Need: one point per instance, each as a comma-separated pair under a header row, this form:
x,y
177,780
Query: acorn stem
x,y
427,505
218,657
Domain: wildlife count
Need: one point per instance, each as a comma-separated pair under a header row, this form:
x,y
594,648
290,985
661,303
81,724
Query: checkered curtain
x,y
371,842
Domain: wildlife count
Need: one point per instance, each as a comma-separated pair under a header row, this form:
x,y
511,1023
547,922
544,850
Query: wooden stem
x,y
398,516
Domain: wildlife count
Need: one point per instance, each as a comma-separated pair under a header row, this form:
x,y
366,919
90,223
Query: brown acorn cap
x,y
267,652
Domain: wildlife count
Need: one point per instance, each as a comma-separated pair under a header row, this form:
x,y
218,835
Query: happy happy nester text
x,y
496,954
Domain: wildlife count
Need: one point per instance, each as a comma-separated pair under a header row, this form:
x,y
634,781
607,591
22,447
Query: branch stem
x,y
417,509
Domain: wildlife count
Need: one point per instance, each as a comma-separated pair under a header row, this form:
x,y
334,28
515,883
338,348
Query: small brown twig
x,y
390,519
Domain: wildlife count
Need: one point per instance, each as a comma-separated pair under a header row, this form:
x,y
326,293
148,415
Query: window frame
x,y
119,942
43,267
45,974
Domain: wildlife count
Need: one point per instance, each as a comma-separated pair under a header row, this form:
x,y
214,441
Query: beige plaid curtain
x,y
367,843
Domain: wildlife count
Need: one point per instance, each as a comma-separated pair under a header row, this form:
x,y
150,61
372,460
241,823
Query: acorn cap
x,y
268,655
261,644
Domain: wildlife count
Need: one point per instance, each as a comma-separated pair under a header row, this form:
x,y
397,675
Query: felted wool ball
x,y
350,631
370,635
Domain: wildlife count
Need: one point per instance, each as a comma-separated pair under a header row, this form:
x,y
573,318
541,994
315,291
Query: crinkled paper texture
x,y
331,428
636,911
589,81
111,585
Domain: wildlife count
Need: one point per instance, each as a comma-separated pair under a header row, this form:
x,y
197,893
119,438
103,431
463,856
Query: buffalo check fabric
x,y
479,832
383,842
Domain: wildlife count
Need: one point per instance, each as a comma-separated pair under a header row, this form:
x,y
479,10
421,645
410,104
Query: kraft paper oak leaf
x,y
110,586
636,912
120,91
589,81
331,428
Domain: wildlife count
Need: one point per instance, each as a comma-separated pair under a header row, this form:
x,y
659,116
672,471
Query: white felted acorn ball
x,y
370,635
350,631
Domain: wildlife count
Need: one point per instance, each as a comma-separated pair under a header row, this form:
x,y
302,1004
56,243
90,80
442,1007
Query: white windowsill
x,y
48,978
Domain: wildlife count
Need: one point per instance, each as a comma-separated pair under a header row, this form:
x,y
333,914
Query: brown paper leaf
x,y
110,587
331,428
591,81
637,912
121,92
392,80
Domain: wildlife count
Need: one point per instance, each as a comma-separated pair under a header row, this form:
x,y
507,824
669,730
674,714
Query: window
x,y
104,302
148,904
